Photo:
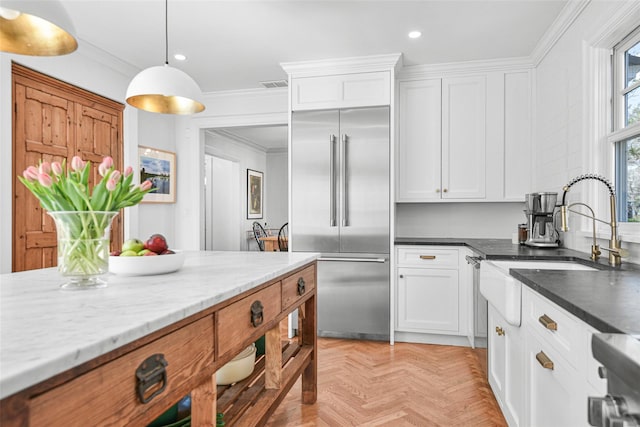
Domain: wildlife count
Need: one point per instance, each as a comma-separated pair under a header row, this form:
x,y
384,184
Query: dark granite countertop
x,y
608,299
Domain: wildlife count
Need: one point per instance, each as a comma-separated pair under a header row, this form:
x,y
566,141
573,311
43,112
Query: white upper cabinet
x,y
464,138
341,91
418,177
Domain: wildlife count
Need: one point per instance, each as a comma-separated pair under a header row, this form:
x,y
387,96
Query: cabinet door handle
x,y
427,257
437,190
548,322
499,331
301,286
151,375
544,360
445,190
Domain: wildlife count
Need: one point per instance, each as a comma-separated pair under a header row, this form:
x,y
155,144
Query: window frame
x,y
621,133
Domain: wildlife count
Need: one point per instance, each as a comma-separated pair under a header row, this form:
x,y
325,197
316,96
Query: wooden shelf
x,y
249,402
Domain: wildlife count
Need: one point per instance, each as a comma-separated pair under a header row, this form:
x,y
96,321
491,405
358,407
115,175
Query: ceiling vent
x,y
275,83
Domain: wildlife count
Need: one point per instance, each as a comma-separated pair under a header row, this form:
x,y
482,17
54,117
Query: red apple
x,y
115,253
167,252
156,243
150,253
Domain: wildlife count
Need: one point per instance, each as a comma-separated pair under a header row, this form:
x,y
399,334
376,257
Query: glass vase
x,y
83,247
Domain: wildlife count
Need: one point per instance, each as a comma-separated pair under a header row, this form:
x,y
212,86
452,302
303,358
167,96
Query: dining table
x,y
271,243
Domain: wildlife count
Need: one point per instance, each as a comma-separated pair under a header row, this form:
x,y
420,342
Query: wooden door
x,y
52,121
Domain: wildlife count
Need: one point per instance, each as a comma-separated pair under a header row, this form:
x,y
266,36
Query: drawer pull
x,y
301,286
499,331
548,322
257,315
427,257
151,374
544,360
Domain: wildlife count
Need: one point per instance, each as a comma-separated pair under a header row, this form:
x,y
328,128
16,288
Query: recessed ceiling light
x,y
180,57
414,34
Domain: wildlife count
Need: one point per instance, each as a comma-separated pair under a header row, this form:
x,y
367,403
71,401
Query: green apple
x,y
134,245
129,253
144,252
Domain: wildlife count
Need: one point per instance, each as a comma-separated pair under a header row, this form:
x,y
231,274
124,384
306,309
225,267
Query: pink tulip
x,y
107,163
77,164
45,167
128,171
145,185
112,184
115,175
56,167
45,180
30,173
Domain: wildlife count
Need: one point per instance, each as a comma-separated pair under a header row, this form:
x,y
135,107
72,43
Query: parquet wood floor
x,y
367,383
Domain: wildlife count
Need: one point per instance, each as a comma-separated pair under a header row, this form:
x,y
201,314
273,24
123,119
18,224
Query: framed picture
x,y
158,167
255,193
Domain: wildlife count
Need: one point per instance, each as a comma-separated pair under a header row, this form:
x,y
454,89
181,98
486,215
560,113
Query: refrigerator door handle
x,y
332,183
337,259
343,181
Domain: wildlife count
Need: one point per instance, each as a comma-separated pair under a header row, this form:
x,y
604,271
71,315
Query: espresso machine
x,y
541,230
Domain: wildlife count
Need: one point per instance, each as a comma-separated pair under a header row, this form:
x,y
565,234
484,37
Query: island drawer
x,y
246,318
297,286
108,394
427,257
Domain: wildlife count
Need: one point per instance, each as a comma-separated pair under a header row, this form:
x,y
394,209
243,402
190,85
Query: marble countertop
x,y
45,331
607,299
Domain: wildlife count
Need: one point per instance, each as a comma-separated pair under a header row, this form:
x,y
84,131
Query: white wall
x,y
276,190
568,137
222,204
459,220
157,131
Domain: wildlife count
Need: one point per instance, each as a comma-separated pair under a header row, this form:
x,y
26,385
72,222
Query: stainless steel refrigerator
x,y
340,208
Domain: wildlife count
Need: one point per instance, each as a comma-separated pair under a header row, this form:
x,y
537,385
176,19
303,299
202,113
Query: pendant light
x,y
165,89
38,28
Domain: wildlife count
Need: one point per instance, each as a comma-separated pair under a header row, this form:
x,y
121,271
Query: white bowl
x,y
146,265
239,368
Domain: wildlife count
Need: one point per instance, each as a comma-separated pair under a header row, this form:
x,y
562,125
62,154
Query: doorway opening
x,y
221,201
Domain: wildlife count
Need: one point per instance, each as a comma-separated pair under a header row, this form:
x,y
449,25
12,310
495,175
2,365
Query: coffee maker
x,y
540,209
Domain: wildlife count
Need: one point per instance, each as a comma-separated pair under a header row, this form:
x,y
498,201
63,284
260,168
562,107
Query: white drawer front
x,y
427,257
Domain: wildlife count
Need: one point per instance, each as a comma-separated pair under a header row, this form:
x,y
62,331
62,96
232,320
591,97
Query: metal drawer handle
x,y
427,257
548,322
149,374
301,286
544,360
257,314
499,331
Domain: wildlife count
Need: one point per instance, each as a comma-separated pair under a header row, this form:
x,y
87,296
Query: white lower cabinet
x,y
432,290
542,372
506,366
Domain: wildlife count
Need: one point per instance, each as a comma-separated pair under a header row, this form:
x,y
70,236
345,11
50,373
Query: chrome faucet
x,y
614,249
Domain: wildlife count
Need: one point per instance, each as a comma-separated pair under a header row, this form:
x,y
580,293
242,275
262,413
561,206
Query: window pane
x,y
632,106
632,65
628,181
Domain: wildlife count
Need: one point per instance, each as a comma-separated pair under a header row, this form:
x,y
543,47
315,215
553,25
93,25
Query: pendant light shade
x,y
165,89
37,28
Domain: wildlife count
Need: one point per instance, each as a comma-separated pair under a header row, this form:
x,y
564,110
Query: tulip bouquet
x,y
82,215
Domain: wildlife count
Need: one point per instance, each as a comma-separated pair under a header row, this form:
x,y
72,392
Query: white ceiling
x,y
237,44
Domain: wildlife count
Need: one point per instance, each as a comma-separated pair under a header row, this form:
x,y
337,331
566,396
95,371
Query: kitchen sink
x,y
504,292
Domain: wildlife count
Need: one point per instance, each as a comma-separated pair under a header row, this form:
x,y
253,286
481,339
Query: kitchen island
x,y
71,358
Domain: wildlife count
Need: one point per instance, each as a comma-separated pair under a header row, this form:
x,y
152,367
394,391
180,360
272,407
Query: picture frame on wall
x,y
255,194
158,167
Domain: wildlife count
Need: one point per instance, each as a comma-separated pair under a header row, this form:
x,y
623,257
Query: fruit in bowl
x,y
138,258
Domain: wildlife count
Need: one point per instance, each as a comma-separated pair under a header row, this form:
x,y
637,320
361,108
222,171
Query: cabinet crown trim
x,y
338,66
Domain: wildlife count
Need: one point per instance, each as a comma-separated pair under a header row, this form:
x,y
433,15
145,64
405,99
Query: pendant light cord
x,y
166,32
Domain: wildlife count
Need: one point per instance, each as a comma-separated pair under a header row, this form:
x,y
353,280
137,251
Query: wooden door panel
x,y
54,121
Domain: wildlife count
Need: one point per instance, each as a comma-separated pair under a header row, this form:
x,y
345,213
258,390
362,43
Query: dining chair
x,y
259,232
283,235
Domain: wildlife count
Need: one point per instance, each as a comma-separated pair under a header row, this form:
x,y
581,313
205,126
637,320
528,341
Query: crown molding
x,y
258,91
105,58
437,70
565,19
618,26
360,64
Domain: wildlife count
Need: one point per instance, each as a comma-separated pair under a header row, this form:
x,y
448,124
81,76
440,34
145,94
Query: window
x,y
626,126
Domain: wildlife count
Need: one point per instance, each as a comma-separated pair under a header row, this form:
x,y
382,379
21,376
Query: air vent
x,y
275,83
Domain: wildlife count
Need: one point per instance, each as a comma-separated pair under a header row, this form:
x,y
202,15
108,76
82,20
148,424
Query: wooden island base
x,y
107,390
